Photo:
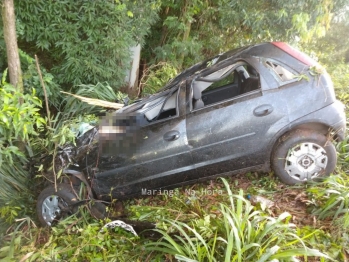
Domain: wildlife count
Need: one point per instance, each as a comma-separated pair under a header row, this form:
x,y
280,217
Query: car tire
x,y
303,155
54,205
98,210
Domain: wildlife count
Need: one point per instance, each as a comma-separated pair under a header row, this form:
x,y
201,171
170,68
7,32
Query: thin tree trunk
x,y
185,39
14,66
164,28
187,29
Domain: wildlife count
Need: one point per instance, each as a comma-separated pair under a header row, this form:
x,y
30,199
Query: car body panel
x,y
217,131
151,158
231,134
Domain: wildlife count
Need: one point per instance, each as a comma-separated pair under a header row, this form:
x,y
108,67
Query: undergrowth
x,y
239,233
220,226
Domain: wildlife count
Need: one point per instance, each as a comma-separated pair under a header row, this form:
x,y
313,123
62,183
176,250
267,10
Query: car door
x,y
233,133
158,156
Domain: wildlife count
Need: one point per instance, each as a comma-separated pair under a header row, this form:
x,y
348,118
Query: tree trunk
x,y
14,65
164,27
185,39
185,13
9,22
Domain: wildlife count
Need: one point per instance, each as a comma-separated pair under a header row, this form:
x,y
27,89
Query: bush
x,y
156,77
84,41
19,123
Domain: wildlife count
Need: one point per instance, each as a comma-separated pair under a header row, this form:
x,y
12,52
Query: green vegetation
x,y
83,47
189,31
222,226
19,122
83,42
242,234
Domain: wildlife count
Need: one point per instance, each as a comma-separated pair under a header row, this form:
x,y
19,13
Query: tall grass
x,y
331,202
242,233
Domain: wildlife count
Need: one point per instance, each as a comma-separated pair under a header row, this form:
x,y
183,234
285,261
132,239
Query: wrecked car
x,y
257,108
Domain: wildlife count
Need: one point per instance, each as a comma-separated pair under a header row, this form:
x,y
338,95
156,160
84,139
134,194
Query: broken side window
x,y
162,107
280,71
226,83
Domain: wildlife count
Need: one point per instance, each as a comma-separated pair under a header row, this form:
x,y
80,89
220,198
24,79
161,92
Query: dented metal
x,y
190,131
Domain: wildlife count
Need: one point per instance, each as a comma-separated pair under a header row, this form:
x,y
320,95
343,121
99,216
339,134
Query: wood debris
x,y
96,102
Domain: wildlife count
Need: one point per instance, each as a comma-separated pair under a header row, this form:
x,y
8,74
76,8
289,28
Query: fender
x,y
328,119
82,178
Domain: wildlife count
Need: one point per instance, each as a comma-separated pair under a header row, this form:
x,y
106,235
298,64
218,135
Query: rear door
x,y
233,133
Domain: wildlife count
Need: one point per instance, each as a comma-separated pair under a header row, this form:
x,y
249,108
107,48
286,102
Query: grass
x,y
241,233
224,226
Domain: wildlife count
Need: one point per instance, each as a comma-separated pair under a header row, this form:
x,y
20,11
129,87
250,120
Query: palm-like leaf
x,y
96,102
243,234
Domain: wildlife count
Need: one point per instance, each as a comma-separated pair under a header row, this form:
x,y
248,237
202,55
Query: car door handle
x,y
171,135
263,110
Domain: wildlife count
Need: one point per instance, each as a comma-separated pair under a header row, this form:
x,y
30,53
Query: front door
x,y
159,155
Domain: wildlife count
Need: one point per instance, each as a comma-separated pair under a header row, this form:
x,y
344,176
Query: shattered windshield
x,y
201,66
147,104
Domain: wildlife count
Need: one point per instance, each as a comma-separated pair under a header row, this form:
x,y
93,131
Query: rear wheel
x,y
303,155
54,205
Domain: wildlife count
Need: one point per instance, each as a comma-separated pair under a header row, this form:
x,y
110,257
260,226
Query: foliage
x,y
75,239
332,48
240,234
332,51
343,149
340,77
156,77
87,42
19,120
16,238
331,200
84,41
31,80
16,107
64,127
323,239
276,20
191,30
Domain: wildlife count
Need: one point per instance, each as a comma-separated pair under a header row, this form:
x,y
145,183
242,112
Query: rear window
x,y
281,72
305,59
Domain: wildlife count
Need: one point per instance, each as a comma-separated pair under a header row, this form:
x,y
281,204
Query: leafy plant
x,y
332,200
241,234
65,124
9,250
340,77
156,77
84,41
74,107
191,30
19,114
19,122
76,238
31,80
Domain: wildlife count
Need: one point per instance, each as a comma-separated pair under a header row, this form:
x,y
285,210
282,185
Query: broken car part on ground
x,y
257,108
